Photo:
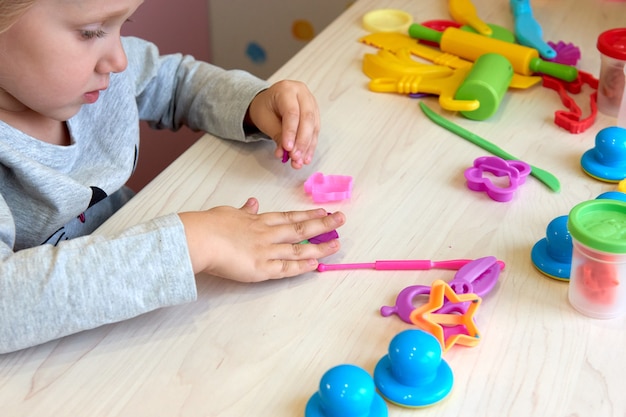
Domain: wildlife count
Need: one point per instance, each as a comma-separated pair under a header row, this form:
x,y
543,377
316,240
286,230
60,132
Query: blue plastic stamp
x,y
552,255
607,160
346,391
413,373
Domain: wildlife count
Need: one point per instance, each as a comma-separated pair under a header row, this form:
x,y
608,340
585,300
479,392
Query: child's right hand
x,y
242,245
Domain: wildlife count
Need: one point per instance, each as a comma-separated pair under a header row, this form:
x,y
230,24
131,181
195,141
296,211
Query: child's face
x,y
59,55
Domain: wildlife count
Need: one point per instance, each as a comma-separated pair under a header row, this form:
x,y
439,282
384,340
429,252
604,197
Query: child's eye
x,y
91,34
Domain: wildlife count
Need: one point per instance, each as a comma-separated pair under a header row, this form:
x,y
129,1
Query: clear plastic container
x,y
621,115
597,286
612,47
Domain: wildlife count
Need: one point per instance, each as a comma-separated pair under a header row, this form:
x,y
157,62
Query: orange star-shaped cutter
x,y
425,317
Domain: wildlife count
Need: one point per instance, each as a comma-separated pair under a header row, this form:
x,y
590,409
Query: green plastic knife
x,y
544,176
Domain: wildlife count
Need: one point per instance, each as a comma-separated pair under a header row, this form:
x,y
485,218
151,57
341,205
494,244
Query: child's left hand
x,y
287,112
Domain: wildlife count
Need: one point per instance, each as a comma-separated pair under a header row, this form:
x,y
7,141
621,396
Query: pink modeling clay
x,y
325,188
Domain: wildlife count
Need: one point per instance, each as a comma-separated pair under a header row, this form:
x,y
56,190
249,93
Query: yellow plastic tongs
x,y
399,73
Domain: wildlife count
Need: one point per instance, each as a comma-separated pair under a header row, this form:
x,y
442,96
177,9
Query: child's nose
x,y
114,58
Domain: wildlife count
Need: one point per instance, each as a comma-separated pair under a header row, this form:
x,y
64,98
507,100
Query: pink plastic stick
x,y
397,265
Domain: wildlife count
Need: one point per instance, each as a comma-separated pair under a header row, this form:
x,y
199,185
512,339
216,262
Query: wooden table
x,y
261,349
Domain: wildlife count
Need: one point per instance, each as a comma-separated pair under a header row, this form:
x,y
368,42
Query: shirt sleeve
x,y
174,90
47,291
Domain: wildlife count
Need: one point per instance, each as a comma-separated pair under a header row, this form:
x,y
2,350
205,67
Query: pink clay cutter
x,y
325,188
479,176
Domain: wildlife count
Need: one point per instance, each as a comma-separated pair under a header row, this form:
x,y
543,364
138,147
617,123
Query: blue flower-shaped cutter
x,y
516,171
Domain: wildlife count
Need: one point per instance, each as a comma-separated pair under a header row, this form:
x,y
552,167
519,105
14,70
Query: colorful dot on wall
x,y
302,30
256,53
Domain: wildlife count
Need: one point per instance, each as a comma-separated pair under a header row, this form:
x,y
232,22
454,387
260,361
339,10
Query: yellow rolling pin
x,y
471,46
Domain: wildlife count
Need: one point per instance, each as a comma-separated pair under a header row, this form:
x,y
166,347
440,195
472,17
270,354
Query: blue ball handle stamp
x,y
346,391
413,374
552,255
606,161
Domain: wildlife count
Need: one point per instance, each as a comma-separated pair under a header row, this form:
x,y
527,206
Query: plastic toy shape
x,y
497,32
612,195
346,391
552,255
397,265
566,53
394,42
327,188
528,31
387,20
444,87
470,46
385,64
544,176
413,374
607,160
478,276
476,92
427,318
464,12
440,25
487,82
515,171
572,119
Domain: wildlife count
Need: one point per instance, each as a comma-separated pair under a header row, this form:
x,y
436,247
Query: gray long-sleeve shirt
x,y
55,277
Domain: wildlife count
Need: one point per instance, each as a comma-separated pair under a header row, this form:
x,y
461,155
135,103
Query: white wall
x,y
257,36
180,26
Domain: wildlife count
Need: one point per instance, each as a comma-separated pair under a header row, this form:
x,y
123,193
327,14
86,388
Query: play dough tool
x,y
487,83
401,265
429,318
476,277
444,87
386,64
395,42
544,176
464,12
387,20
475,91
470,46
413,373
527,30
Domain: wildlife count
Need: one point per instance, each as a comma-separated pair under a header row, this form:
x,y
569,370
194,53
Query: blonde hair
x,y
11,10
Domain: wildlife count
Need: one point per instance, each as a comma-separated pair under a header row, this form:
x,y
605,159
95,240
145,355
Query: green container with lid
x,y
600,225
597,286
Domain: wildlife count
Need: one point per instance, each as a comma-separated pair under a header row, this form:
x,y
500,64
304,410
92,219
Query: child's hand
x,y
242,245
288,113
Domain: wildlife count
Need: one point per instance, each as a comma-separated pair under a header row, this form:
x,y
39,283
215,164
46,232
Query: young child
x,y
72,92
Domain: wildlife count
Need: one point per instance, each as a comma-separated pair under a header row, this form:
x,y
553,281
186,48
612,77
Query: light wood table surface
x,y
261,349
